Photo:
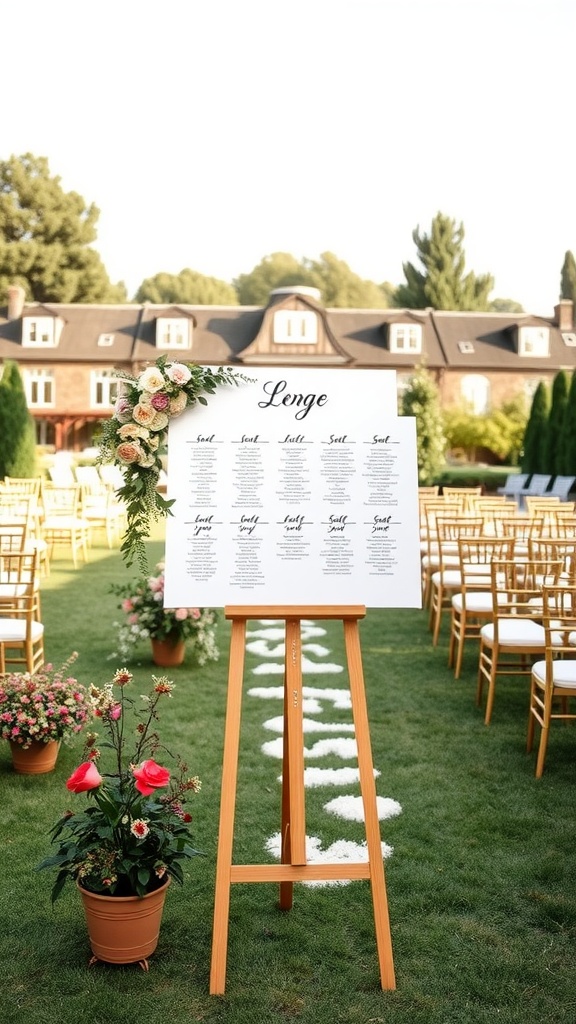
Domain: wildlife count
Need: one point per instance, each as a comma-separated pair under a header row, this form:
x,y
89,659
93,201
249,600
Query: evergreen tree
x,y
46,236
554,432
442,284
568,278
17,429
568,441
535,438
421,400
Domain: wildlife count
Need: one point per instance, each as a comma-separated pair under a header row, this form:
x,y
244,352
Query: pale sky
x,y
211,133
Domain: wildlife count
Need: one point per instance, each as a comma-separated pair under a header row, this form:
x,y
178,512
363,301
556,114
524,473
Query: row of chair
x,y
56,515
509,583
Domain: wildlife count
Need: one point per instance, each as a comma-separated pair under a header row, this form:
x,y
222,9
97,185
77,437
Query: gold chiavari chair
x,y
514,636
21,632
447,578
472,604
553,680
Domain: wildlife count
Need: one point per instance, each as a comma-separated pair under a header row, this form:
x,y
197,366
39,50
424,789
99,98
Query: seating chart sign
x,y
298,487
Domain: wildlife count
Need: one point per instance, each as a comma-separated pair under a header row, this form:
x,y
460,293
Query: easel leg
x,y
227,808
293,810
368,791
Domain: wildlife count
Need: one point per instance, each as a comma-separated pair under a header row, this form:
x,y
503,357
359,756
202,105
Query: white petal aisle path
x,y
267,642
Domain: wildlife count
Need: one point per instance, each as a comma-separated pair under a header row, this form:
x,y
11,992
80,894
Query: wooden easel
x,y
293,866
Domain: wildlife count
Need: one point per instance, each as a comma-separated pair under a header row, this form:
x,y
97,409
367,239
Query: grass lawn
x,y
481,883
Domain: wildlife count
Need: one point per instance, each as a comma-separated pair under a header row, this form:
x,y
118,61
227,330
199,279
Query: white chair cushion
x,y
564,672
15,630
447,577
473,601
515,632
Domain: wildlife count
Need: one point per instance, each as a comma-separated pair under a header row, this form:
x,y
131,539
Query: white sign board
x,y
298,488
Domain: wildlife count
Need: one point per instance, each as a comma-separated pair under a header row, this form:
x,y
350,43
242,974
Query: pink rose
x,y
150,776
160,401
178,373
84,778
180,614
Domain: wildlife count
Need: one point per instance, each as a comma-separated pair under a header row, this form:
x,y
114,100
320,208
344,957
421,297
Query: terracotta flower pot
x,y
169,652
124,929
37,759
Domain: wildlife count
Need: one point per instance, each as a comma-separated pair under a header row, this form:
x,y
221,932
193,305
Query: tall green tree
x,y
442,284
534,457
568,439
421,400
17,429
554,432
568,278
277,270
188,287
340,287
46,235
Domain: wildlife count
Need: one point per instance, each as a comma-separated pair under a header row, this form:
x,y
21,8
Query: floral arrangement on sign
x,y
145,616
134,832
135,438
45,705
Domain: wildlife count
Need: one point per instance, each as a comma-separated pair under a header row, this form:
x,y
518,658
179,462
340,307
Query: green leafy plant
x,y
134,831
136,436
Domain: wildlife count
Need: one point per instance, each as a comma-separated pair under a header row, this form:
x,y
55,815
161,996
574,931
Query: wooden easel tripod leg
x,y
227,808
368,792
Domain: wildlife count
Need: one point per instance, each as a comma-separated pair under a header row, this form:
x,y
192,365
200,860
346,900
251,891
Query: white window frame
x,y
38,332
103,389
534,342
406,338
105,340
40,389
173,332
475,390
295,327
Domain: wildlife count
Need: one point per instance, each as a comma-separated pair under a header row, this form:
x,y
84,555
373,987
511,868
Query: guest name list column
x,y
300,486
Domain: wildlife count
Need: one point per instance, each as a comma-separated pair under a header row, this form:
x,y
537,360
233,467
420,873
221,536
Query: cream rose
x,y
144,414
160,422
131,431
178,404
151,380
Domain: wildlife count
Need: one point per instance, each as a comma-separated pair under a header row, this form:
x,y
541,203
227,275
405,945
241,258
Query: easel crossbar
x,y
297,872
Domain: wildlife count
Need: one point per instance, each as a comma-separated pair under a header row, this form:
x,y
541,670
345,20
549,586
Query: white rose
x,y
151,380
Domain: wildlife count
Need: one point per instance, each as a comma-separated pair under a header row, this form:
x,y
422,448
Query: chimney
x,y
16,296
564,313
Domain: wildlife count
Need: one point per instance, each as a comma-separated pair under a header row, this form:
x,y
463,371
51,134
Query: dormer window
x,y
38,331
173,332
105,340
466,347
406,338
295,327
534,341
569,339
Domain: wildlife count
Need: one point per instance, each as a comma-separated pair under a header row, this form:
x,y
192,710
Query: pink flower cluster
x,y
46,705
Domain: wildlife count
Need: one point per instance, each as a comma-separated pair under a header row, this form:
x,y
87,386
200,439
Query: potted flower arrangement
x,y
171,630
125,846
135,438
40,710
